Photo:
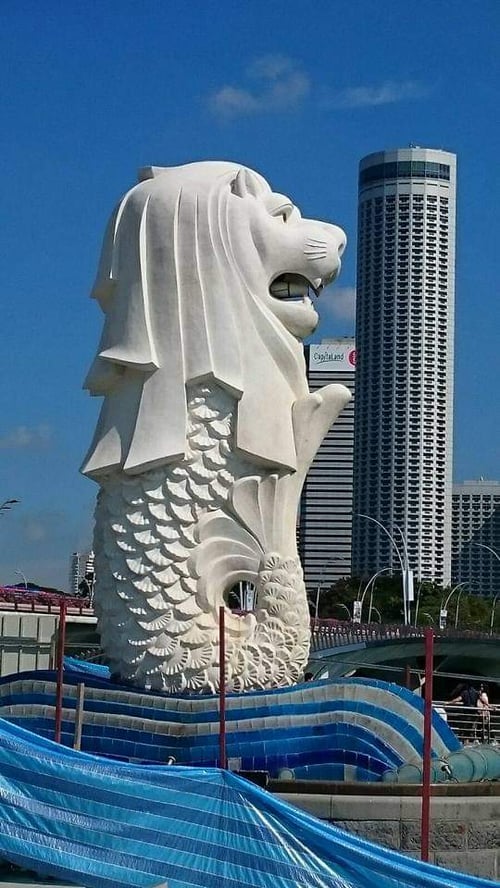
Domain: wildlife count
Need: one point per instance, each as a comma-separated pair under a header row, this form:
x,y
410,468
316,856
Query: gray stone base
x,y
465,833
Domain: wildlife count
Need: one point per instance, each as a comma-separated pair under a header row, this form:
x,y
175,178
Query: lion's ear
x,y
245,183
150,172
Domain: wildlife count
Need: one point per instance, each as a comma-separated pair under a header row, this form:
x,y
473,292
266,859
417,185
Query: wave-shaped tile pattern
x,y
354,729
109,824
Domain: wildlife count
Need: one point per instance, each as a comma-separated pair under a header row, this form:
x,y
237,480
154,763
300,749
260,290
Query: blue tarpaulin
x,y
99,823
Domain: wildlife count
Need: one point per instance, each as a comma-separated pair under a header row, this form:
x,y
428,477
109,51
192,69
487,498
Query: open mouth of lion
x,y
295,288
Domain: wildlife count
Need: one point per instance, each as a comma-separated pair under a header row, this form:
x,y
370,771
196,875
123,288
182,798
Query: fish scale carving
x,y
147,584
142,563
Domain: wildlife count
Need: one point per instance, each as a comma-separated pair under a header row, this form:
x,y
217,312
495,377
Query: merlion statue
x,y
207,427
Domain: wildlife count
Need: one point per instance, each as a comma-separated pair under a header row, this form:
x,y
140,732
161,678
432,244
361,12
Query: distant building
x,y
81,568
325,516
476,519
404,373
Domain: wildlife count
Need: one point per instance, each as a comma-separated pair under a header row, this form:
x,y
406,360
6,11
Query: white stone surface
x,y
207,428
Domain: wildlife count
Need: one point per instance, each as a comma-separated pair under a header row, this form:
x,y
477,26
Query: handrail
x,y
471,724
49,607
326,633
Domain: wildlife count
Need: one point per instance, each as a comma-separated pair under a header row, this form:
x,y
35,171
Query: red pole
x,y
61,637
427,750
222,688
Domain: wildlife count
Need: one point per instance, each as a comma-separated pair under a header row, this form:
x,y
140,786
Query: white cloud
x,y
270,67
338,304
388,93
278,83
281,85
23,437
230,102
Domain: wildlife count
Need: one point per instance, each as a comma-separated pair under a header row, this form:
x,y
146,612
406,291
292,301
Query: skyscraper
x,y
476,536
81,568
404,375
325,518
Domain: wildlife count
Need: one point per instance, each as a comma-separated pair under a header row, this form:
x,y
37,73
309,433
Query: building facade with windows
x,y
81,568
404,374
476,536
325,513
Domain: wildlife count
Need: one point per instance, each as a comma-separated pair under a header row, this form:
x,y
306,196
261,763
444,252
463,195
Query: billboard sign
x,y
336,355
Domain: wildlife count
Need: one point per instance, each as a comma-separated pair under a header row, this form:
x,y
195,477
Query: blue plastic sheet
x,y
86,667
101,824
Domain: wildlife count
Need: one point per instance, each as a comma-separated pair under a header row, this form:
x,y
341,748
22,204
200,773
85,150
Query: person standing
x,y
484,710
467,695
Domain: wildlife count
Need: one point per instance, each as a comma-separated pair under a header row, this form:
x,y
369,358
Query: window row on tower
x,y
404,169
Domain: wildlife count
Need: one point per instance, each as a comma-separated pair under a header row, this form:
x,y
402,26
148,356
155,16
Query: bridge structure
x,y
28,628
328,634
378,650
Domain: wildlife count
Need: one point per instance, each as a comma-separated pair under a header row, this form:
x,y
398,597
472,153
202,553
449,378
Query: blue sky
x,y
298,90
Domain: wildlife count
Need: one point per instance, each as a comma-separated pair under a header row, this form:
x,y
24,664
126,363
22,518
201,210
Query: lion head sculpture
x,y
204,275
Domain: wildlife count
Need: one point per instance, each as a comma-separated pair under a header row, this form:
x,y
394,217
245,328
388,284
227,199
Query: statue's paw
x,y
313,416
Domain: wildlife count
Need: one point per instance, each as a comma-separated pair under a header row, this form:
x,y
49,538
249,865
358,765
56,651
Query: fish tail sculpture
x,y
207,427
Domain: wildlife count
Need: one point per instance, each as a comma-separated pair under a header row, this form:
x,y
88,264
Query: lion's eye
x,y
284,211
279,206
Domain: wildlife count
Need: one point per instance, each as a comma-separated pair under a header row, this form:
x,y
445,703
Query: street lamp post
x,y
404,562
488,548
316,605
493,606
443,608
457,606
6,505
369,585
417,605
344,606
321,584
497,556
407,574
17,571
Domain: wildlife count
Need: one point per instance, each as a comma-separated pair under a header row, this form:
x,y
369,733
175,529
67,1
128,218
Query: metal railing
x,y
332,633
470,724
42,603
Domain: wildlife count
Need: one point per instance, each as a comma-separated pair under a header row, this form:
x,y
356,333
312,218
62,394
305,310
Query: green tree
x,y
474,611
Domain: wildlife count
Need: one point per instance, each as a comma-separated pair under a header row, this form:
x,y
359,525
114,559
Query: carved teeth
x,y
295,288
289,286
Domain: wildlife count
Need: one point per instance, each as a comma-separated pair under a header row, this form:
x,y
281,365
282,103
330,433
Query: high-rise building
x,y
81,568
325,515
76,569
404,374
476,536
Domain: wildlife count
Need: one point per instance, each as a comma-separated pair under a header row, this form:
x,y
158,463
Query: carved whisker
x,y
313,242
311,255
